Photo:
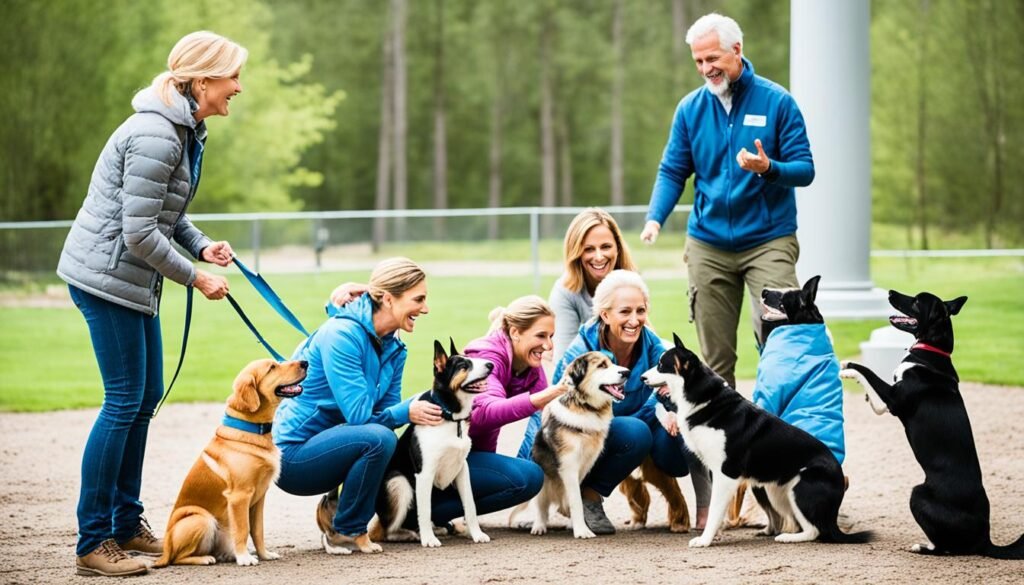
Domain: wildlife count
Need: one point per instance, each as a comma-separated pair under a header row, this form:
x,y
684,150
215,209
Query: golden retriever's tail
x,y
191,532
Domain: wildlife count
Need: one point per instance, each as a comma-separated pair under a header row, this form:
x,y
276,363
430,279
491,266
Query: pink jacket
x,y
507,398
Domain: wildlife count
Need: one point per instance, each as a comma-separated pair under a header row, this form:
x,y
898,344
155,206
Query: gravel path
x,y
41,454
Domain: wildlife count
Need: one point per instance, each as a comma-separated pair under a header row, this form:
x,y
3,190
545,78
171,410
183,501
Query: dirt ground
x,y
41,454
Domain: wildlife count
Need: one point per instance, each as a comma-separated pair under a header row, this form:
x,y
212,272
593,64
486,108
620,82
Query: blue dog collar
x,y
244,425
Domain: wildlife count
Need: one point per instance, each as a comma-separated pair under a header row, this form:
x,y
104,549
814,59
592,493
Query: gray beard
x,y
720,90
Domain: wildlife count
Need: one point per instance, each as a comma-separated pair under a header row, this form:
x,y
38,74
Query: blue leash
x,y
265,291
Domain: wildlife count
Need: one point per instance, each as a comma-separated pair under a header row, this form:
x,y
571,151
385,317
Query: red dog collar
x,y
931,348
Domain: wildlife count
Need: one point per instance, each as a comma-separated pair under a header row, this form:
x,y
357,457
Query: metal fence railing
x,y
502,241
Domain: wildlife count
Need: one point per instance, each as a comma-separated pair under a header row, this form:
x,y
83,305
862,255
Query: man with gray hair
x,y
743,139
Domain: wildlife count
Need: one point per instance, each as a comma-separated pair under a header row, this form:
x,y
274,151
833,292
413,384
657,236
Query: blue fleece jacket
x,y
798,381
354,377
639,402
734,209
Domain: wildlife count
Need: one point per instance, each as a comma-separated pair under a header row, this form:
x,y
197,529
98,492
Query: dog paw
x,y
207,560
268,555
332,549
246,560
699,542
848,374
538,529
583,533
479,536
430,541
371,548
636,525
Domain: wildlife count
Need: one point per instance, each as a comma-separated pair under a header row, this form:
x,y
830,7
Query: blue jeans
x,y
129,352
354,455
629,442
498,482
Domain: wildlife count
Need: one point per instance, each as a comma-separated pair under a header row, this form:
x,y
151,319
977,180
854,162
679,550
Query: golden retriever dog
x,y
572,433
635,489
221,501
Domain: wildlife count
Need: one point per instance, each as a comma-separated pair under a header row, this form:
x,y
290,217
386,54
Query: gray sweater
x,y
119,247
572,309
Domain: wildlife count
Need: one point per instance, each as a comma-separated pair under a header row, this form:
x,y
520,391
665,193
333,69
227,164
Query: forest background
x,y
372,104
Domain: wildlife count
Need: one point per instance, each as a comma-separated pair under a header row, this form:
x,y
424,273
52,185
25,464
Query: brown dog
x,y
221,501
635,489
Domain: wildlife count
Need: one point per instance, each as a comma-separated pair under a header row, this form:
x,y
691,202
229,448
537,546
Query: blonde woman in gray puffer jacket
x,y
115,259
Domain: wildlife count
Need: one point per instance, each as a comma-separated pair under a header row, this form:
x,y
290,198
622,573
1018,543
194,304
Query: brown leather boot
x,y
108,560
144,541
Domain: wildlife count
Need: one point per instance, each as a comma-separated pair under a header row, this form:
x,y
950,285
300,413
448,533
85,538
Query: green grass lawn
x,y
46,361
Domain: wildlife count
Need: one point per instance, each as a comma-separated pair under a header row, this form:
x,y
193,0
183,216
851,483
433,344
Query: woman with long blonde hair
x,y
593,248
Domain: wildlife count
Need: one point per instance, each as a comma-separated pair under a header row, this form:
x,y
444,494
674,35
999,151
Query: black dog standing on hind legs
x,y
950,506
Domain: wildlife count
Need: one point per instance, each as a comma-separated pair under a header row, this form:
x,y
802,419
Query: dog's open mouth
x,y
903,320
475,386
288,390
772,314
615,390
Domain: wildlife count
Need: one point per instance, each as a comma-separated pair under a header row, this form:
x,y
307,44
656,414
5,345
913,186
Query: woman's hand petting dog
x,y
549,394
422,412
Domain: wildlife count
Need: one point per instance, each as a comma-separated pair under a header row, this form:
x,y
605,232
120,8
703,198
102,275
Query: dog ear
x,y
576,371
440,359
678,342
452,351
811,288
245,396
955,305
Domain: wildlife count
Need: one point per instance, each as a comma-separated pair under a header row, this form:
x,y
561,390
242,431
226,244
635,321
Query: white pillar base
x,y
862,302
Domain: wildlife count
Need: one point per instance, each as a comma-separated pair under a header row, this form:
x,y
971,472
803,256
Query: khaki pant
x,y
716,292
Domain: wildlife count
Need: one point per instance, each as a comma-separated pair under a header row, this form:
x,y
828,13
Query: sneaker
x,y
144,541
108,560
597,521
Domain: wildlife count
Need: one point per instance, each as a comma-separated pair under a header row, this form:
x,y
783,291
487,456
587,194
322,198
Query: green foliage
x,y
71,85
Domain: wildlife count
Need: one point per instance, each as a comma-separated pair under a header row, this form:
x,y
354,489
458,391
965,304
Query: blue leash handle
x,y
270,296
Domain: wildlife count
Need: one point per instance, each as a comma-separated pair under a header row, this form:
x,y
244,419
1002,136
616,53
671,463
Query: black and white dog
x,y
950,506
738,441
434,456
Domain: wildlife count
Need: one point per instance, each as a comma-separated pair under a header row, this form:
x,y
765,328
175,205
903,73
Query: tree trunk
x,y
497,135
680,56
618,76
547,130
440,132
920,175
384,141
564,145
400,130
498,105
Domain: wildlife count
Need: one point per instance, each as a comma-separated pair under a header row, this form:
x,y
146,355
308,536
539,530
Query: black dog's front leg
x,y
879,393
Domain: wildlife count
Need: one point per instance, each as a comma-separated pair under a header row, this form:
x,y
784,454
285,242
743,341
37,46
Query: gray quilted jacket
x,y
119,247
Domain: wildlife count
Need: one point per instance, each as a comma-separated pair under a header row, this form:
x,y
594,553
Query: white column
x,y
830,77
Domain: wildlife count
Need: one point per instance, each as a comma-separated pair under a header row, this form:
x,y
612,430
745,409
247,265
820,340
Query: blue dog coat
x,y
798,381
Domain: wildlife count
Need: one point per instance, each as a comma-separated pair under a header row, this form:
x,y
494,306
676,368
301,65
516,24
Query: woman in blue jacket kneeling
x,y
619,329
340,430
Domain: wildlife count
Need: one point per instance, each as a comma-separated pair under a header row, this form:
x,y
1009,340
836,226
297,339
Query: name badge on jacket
x,y
752,120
